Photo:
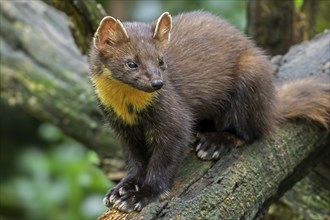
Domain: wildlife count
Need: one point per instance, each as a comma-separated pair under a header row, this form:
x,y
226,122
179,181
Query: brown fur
x,y
307,98
213,80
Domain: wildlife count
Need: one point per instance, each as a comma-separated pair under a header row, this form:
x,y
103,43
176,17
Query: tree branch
x,y
44,72
244,183
85,17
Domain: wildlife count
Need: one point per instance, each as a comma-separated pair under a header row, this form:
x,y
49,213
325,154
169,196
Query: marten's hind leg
x,y
249,112
213,145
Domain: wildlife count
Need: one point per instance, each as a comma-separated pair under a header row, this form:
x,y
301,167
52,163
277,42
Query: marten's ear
x,y
110,32
163,28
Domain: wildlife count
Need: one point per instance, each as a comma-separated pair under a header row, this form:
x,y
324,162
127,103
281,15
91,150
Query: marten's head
x,y
134,52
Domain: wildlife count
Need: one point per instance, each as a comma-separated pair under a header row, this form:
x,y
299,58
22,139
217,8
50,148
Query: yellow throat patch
x,y
125,100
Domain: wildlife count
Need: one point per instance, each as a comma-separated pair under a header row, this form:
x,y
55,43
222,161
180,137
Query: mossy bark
x,y
308,199
242,184
44,72
85,17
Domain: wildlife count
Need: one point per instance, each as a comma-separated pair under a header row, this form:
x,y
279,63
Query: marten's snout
x,y
157,84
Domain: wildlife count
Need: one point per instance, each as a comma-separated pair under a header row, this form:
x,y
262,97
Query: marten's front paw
x,y
136,200
213,145
123,188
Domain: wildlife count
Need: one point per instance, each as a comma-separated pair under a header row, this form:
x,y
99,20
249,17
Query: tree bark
x,y
85,17
44,72
244,183
309,198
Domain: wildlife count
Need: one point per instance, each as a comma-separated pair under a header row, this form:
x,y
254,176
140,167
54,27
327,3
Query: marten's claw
x,y
138,207
136,200
212,145
114,196
106,201
111,198
122,191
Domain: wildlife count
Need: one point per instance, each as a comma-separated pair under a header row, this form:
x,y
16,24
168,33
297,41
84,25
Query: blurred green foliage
x,y
299,3
232,11
146,10
58,180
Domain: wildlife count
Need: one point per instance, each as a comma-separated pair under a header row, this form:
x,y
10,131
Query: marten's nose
x,y
157,84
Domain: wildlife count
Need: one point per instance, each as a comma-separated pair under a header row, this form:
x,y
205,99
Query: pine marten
x,y
156,83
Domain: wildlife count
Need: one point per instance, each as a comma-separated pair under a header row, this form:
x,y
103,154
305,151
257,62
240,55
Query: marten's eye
x,y
161,62
132,65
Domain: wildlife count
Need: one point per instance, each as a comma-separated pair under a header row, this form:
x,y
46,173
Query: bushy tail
x,y
307,98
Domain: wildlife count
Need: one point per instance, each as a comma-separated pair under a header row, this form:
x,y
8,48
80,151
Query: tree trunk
x,y
44,72
271,24
277,25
